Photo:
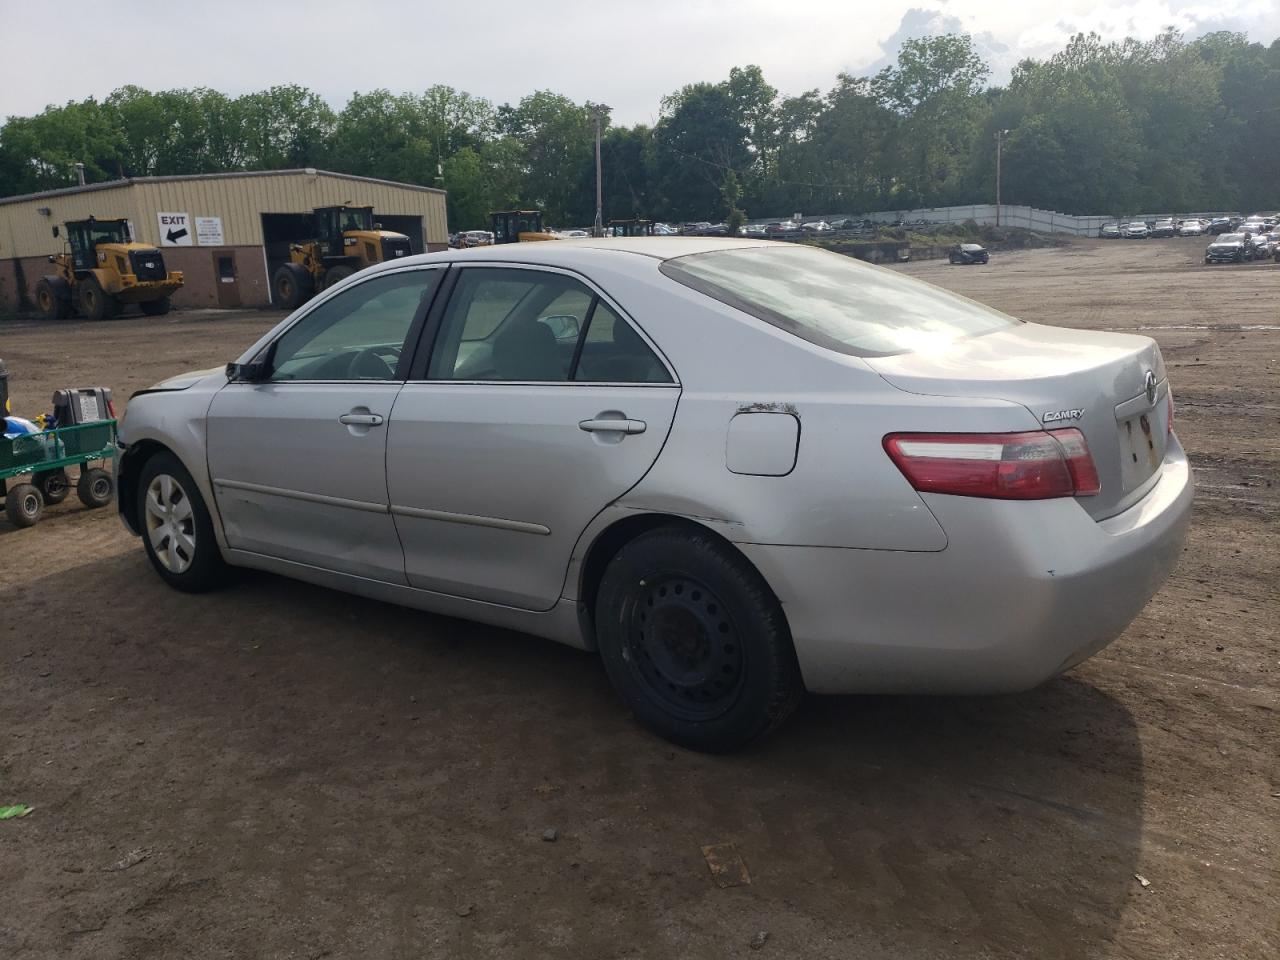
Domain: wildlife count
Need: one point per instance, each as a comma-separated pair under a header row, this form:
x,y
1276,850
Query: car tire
x,y
155,308
694,641
52,484
292,286
24,505
192,562
96,487
335,275
96,303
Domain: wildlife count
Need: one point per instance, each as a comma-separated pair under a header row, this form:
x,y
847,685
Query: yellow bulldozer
x,y
345,240
518,226
102,271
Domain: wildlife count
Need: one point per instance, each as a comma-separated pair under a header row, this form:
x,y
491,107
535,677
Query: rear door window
x,y
520,324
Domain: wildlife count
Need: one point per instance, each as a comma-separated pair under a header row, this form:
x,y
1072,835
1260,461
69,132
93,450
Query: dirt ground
x,y
308,775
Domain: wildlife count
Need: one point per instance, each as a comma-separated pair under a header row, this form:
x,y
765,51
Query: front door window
x,y
359,334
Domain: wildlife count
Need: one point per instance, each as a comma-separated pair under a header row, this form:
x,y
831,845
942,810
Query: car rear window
x,y
835,301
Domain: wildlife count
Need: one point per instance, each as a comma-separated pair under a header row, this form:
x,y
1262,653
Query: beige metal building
x,y
227,232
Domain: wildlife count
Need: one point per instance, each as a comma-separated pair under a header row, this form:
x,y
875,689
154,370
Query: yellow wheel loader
x,y
346,240
518,226
629,228
102,271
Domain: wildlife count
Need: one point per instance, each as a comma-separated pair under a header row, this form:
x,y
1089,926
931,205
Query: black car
x,y
968,253
1230,248
1220,225
1164,228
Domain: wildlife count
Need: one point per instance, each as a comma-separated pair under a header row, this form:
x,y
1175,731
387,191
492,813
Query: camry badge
x,y
1056,416
1151,386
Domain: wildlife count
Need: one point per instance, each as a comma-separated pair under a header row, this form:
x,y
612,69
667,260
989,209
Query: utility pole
x,y
1000,135
599,225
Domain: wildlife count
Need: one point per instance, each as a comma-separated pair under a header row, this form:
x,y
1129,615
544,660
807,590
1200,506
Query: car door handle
x,y
612,426
361,419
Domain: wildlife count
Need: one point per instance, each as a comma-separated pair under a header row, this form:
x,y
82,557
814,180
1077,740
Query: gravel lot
x,y
300,774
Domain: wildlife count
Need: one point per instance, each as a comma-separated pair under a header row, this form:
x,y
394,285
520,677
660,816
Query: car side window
x,y
612,352
357,335
510,324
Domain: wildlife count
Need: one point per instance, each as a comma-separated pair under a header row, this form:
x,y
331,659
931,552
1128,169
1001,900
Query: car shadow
x,y
307,769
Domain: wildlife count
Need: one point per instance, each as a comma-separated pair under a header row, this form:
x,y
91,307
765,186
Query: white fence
x,y
1011,215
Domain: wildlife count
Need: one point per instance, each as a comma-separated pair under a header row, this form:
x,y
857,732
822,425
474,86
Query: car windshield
x,y
835,301
1227,237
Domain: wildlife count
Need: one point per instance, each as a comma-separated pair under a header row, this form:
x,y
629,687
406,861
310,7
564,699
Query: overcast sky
x,y
625,53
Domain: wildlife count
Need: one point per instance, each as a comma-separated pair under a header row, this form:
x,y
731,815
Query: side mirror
x,y
253,372
51,258
55,231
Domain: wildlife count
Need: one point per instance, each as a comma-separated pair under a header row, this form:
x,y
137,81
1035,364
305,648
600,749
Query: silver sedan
x,y
739,470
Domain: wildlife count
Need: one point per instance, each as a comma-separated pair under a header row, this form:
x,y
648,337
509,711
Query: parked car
x,y
1109,231
1230,248
1253,226
1137,230
504,447
784,230
754,230
968,253
1220,225
475,238
1191,227
816,226
1163,228
1265,245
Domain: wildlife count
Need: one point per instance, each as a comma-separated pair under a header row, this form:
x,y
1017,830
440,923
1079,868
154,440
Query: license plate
x,y
1141,447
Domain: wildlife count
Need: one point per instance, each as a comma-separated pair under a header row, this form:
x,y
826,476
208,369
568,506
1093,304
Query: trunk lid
x,y
1096,382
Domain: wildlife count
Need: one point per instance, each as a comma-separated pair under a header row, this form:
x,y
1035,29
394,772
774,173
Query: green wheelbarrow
x,y
46,456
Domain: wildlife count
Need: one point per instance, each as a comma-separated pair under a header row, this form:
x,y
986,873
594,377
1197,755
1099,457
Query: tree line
x,y
1098,128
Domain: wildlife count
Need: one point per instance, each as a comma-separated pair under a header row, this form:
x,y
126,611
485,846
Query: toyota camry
x,y
739,470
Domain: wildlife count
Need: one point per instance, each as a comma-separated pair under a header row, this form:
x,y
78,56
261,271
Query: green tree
x,y
558,140
283,127
700,136
935,88
731,190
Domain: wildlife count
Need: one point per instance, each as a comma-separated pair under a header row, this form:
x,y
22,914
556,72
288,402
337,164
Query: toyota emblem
x,y
1151,386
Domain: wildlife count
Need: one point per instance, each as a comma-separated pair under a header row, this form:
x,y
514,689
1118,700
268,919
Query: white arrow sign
x,y
175,229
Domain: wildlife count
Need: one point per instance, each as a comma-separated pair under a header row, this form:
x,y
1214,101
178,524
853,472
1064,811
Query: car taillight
x,y
111,408
1035,465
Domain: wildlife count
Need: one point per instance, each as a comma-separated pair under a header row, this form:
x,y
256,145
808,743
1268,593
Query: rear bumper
x,y
1023,591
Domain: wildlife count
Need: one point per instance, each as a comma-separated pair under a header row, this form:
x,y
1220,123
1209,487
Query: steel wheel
x,y
684,649
170,523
